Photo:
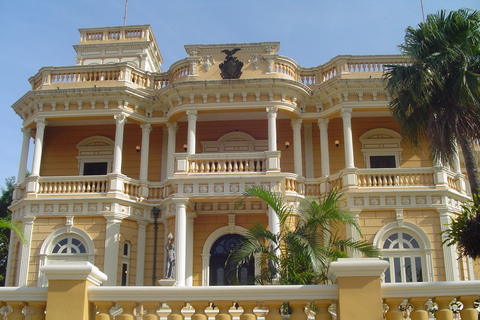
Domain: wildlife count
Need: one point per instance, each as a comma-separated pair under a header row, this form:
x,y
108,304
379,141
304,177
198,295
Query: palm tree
x,y
307,242
437,95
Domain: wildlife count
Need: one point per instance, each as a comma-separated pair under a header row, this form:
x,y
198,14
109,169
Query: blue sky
x,y
41,33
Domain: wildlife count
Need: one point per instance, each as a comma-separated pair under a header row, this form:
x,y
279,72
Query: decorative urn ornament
x,y
231,67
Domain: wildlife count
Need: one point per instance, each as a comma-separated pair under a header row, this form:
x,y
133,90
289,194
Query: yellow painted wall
x,y
128,232
43,227
428,220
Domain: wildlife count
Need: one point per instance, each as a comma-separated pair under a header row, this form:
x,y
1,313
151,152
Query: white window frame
x,y
425,251
47,257
95,149
381,142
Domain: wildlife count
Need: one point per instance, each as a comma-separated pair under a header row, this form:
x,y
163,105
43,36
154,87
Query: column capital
x,y
296,124
272,111
346,112
180,201
192,114
28,221
322,123
146,127
41,122
444,212
120,119
27,131
172,127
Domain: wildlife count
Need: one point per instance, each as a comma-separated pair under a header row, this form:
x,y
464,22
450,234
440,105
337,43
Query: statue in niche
x,y
170,267
231,67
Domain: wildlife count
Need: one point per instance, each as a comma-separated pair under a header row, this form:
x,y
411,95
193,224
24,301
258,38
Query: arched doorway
x,y
218,256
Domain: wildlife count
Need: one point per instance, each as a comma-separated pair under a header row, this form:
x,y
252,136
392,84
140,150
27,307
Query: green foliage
x,y
464,231
6,225
436,94
308,240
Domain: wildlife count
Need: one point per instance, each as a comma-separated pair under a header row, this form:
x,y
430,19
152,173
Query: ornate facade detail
x,y
231,67
256,59
207,62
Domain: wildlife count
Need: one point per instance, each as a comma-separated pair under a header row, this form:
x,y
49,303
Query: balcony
x,y
229,174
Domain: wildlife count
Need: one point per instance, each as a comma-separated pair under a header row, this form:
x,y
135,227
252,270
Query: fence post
x,y
359,288
67,296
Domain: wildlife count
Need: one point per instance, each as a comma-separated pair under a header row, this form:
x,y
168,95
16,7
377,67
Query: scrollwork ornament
x,y
256,59
207,62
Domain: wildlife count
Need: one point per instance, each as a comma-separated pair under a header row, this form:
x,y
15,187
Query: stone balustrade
x,y
356,294
441,300
395,177
209,163
69,185
344,67
203,169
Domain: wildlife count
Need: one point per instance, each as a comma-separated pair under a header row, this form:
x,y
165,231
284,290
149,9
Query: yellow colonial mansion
x,y
132,197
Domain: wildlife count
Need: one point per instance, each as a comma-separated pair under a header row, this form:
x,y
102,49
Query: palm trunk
x,y
472,168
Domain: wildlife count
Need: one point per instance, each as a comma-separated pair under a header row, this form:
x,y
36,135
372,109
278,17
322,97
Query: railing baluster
x,y
443,312
248,306
199,307
468,312
298,310
176,307
273,309
150,308
223,307
103,310
128,310
394,312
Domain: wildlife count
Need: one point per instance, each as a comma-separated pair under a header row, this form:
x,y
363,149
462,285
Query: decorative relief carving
x,y
231,67
256,59
207,62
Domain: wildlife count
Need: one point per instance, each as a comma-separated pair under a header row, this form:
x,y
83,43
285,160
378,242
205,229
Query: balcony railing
x,y
344,67
69,185
418,301
399,177
262,168
227,163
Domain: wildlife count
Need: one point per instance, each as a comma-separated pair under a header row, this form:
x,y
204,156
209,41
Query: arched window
x,y
218,256
408,252
66,245
69,245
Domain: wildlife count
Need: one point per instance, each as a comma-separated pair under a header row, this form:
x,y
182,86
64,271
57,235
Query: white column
x,y
324,152
272,128
22,169
347,137
449,254
309,164
297,146
164,153
353,233
172,132
37,152
146,129
274,227
189,252
24,253
273,222
192,131
112,236
141,243
120,120
180,239
456,164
